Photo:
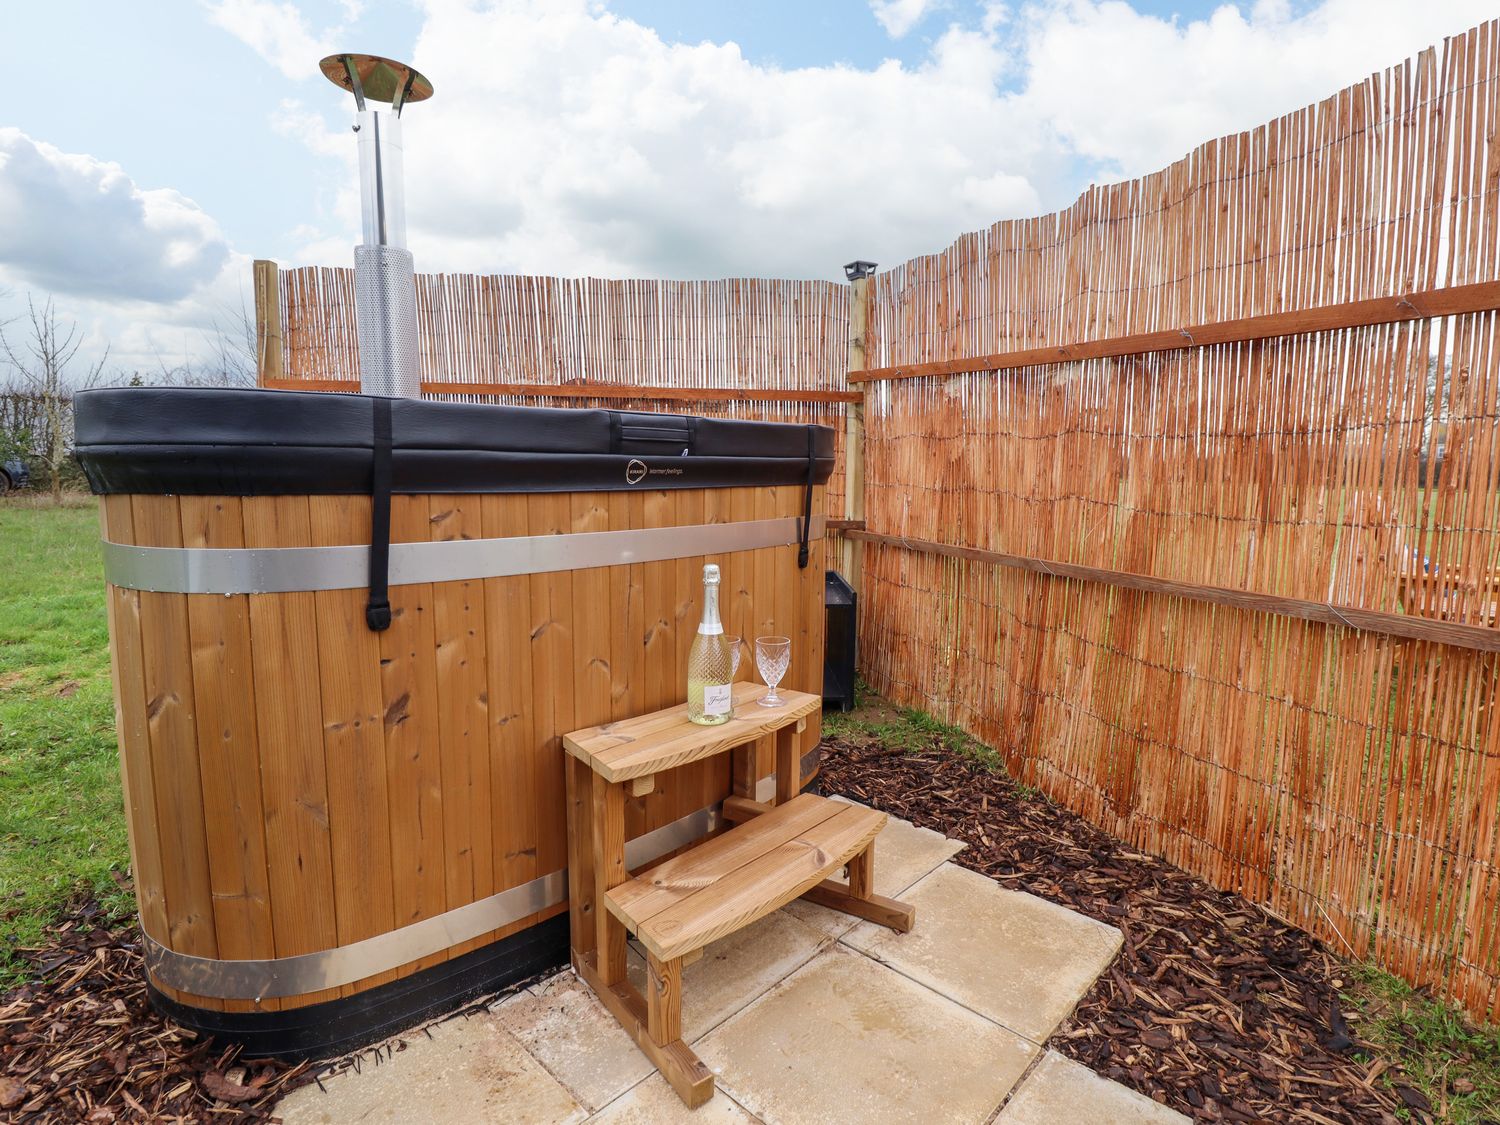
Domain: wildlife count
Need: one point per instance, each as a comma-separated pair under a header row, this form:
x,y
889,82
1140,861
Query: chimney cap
x,y
858,268
376,78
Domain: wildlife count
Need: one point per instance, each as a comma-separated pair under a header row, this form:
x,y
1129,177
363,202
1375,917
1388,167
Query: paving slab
x,y
469,1071
1018,959
653,1102
1061,1091
846,1039
563,1024
735,970
904,853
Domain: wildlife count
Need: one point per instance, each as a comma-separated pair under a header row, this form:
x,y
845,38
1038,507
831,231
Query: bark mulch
x,y
81,1043
1213,1007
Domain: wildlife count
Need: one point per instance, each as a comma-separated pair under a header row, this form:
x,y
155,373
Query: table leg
x,y
663,999
742,770
609,871
582,929
862,873
789,761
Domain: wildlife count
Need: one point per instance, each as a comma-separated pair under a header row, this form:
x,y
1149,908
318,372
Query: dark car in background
x,y
13,475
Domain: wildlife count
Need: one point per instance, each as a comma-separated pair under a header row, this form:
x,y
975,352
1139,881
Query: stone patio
x,y
809,1016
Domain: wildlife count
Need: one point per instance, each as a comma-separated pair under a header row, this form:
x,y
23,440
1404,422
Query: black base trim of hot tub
x,y
336,1027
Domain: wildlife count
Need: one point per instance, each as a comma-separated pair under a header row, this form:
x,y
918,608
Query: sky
x,y
150,151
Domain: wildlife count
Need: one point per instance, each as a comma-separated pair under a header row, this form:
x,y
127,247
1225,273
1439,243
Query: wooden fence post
x,y
853,553
268,361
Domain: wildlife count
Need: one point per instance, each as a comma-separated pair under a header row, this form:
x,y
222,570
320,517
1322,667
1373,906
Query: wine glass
x,y
734,654
772,655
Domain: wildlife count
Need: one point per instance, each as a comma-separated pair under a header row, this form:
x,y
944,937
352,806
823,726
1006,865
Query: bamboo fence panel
x,y
753,335
1347,780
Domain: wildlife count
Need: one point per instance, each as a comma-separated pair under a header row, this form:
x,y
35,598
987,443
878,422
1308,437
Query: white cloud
x,y
145,336
900,16
279,33
567,140
78,226
1130,92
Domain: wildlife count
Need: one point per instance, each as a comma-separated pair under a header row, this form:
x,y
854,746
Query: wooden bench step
x,y
664,740
734,879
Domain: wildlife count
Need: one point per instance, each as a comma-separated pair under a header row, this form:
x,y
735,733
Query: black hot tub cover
x,y
231,442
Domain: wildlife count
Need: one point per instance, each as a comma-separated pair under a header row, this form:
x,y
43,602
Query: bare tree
x,y
233,344
42,352
228,351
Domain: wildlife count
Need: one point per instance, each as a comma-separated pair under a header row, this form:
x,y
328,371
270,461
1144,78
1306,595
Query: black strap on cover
x,y
378,608
804,530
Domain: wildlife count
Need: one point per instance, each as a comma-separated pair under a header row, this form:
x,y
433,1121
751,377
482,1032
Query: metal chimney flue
x,y
385,294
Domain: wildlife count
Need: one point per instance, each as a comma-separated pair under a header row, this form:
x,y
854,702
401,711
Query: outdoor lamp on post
x,y
859,268
385,294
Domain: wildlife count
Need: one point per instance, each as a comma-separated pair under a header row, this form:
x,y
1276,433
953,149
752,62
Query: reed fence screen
x,y
1346,778
747,348
1230,589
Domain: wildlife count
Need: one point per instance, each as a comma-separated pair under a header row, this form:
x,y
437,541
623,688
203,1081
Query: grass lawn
x,y
62,823
1456,1065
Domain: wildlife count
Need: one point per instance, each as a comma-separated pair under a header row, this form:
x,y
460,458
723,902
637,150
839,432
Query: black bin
x,y
840,608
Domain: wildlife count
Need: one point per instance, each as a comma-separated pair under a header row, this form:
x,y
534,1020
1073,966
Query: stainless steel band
x,y
312,972
272,570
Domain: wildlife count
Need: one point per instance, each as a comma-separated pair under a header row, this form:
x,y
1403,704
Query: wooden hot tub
x,y
337,829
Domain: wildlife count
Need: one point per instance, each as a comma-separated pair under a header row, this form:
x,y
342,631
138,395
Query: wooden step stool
x,y
778,853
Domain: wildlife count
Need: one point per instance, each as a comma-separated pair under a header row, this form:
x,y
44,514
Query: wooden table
x,y
779,852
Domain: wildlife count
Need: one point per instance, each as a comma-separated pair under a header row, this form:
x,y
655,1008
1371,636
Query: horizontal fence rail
x,y
1480,297
1479,637
605,391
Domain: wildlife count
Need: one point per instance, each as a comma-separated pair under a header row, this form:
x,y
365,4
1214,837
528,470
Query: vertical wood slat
x,y
228,744
171,729
608,815
551,656
137,777
415,756
289,721
514,769
462,681
359,804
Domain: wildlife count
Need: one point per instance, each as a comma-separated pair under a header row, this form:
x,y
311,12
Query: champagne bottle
x,y
709,687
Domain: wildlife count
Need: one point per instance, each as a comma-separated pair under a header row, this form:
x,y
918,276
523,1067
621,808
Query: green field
x,y
62,826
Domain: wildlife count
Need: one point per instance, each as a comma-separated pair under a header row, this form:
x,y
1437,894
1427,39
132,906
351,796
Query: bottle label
x,y
716,699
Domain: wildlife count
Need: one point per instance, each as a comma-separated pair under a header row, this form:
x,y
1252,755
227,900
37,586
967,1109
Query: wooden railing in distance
x,y
1450,301
581,390
1479,637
